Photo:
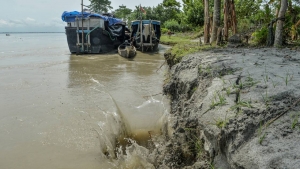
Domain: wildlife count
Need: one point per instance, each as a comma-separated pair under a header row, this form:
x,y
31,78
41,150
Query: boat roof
x,y
136,22
71,16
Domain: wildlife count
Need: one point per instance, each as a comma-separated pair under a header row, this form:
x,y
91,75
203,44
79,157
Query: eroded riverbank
x,y
234,108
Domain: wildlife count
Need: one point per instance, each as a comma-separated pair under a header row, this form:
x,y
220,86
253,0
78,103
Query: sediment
x,y
233,108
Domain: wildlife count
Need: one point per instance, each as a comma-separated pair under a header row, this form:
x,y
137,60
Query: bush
x,y
172,25
244,25
185,28
164,30
260,36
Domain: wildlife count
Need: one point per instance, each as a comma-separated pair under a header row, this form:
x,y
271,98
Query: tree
x,y
216,19
171,9
229,18
279,26
194,11
171,3
206,21
100,6
123,12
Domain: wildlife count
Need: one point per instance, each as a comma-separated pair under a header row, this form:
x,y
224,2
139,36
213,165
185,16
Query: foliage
x,y
171,3
172,25
123,12
260,36
164,30
174,39
244,25
183,48
193,12
100,6
159,12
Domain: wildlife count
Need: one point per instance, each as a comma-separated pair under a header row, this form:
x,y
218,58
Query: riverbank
x,y
233,108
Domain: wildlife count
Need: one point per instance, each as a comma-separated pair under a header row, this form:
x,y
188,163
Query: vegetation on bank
x,y
182,45
263,20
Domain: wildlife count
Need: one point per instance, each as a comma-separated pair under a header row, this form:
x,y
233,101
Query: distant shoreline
x,y
27,32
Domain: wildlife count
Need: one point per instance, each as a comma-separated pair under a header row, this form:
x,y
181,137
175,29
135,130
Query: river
x,y
59,110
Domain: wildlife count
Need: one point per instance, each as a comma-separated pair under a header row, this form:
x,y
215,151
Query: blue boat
x,y
145,34
89,32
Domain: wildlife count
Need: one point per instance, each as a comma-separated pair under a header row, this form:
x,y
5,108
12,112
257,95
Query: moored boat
x,y
7,34
145,34
89,32
127,50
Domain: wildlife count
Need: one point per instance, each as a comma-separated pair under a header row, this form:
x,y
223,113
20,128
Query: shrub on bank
x,y
164,30
260,36
172,25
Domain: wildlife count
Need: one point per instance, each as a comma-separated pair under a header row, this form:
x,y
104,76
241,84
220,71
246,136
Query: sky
x,y
45,15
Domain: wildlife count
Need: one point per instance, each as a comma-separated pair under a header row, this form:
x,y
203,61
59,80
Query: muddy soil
x,y
233,108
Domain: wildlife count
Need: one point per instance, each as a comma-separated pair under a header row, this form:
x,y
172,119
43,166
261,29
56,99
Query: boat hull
x,y
100,41
127,51
146,34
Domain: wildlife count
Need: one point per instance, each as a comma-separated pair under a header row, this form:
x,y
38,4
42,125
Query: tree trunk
x,y
206,22
233,17
279,26
226,19
216,19
219,36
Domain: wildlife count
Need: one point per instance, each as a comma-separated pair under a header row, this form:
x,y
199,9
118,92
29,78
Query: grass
x,y
183,45
266,98
199,146
173,40
241,104
294,122
220,123
184,48
248,83
260,130
218,100
228,91
274,83
266,78
207,71
194,89
261,138
288,78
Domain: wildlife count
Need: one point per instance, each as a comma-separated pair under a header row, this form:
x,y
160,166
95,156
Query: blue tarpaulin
x,y
70,17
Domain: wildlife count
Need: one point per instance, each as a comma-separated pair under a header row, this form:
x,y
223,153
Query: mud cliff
x,y
233,108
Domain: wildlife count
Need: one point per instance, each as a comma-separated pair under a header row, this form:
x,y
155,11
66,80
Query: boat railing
x,y
83,31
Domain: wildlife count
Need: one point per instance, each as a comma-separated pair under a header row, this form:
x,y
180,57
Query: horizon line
x,y
32,32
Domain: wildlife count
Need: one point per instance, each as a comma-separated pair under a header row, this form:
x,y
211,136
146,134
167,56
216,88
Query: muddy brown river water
x,y
59,110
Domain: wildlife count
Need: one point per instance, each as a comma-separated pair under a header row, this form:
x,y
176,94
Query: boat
x,y
127,50
145,34
89,32
7,34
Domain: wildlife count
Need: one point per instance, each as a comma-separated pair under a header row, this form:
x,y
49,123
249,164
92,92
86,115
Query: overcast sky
x,y
45,15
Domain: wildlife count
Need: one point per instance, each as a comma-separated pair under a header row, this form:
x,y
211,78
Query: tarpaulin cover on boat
x,y
70,17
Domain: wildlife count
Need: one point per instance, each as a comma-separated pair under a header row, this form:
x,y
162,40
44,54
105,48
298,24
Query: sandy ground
x,y
234,108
